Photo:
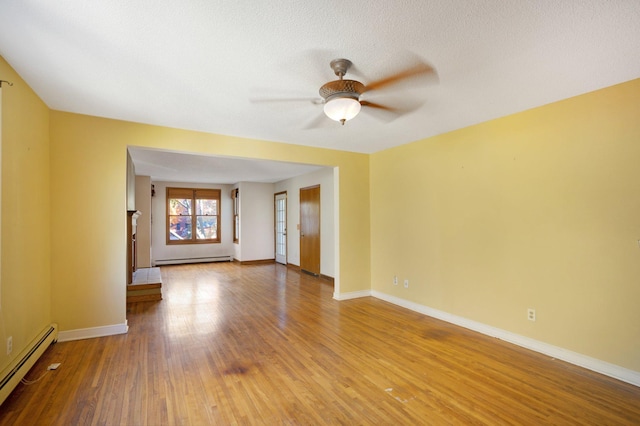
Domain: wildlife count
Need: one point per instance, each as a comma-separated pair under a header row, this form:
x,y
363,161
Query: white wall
x,y
161,251
256,221
143,224
292,186
131,183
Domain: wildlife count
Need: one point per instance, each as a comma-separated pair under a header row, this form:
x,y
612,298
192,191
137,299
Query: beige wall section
x,y
536,210
256,221
88,161
143,223
25,281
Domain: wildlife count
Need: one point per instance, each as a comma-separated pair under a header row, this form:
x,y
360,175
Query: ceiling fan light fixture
x,y
342,108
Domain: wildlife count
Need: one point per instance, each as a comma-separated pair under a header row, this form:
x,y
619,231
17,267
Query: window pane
x,y
179,228
193,215
180,206
207,227
206,207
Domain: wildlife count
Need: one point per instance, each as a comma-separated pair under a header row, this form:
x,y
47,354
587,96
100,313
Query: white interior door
x,y
281,227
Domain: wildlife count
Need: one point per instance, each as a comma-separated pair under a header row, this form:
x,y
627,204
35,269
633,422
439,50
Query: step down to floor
x,y
146,286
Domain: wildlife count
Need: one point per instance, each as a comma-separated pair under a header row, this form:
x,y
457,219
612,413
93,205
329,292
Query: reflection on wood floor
x,y
264,344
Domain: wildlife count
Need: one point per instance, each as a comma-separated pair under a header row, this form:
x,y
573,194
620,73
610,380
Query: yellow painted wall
x,y
25,276
88,188
536,210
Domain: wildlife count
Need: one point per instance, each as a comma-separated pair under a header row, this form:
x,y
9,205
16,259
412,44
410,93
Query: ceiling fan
x,y
342,98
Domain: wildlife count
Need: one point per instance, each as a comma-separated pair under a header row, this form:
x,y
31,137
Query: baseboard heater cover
x,y
17,370
226,258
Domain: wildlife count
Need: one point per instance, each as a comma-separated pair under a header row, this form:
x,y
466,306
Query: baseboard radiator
x,y
12,375
225,258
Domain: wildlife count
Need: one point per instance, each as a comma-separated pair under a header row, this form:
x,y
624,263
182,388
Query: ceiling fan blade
x,y
378,106
380,112
402,106
313,100
421,69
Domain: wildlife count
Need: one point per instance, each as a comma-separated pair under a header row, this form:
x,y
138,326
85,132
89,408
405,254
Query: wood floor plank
x,y
265,344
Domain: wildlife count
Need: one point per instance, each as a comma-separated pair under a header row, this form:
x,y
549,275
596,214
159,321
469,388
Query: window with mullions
x,y
193,216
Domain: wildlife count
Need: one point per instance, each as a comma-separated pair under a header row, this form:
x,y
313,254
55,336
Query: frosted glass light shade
x,y
342,109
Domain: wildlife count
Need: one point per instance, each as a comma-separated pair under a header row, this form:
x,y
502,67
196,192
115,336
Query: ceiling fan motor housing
x,y
342,89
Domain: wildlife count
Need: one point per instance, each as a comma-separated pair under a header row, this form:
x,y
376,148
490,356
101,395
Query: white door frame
x,y
280,218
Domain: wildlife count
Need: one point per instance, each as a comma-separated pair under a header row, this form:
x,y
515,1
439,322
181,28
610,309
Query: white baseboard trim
x,y
352,295
602,367
223,258
90,333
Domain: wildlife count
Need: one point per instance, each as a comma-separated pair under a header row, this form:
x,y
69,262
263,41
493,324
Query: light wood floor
x,y
264,344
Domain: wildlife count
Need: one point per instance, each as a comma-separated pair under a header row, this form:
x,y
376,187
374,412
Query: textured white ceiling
x,y
201,65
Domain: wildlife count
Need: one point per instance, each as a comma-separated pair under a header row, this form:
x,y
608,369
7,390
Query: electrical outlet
x,y
395,280
531,314
406,283
9,345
